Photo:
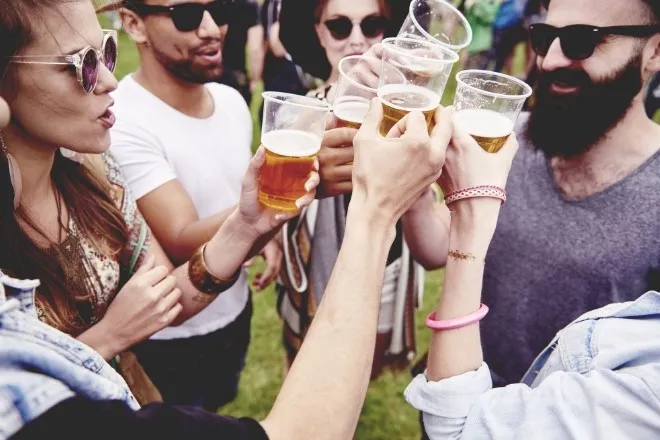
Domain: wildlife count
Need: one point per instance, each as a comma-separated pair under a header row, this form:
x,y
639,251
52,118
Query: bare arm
x,y
256,53
342,337
173,219
426,230
276,45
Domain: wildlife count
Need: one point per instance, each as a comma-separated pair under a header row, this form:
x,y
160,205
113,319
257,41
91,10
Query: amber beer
x,y
350,111
400,99
489,128
290,156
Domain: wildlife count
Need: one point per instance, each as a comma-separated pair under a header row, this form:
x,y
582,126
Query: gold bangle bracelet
x,y
203,279
465,256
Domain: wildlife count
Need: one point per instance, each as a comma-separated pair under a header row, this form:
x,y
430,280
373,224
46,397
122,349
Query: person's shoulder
x,y
132,101
225,93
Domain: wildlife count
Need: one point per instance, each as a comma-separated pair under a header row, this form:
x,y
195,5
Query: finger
x,y
305,200
164,287
339,188
313,181
155,275
269,274
462,139
251,179
443,130
171,299
372,120
330,158
509,149
171,315
248,263
338,137
413,125
341,173
146,266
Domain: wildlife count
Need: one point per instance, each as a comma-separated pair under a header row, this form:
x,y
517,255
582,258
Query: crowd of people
x,y
130,214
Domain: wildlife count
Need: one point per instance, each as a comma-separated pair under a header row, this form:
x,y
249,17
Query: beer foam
x,y
291,143
483,123
351,109
411,89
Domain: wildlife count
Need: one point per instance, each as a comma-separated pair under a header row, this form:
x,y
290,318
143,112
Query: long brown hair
x,y
84,193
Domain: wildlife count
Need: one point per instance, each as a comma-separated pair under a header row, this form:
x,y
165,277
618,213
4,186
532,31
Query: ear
x,y
133,25
319,34
651,57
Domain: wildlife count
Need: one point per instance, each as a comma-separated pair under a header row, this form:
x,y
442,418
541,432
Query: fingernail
x,y
300,202
281,217
316,165
310,185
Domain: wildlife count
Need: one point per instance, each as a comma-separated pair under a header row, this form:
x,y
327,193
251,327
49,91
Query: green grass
x,y
385,414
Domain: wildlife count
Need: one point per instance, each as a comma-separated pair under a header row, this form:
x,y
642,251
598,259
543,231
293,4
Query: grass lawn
x,y
385,414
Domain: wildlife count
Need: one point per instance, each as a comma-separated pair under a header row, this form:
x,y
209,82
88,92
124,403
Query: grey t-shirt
x,y
552,259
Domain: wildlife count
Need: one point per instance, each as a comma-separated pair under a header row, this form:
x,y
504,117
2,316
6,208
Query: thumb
x,y
372,120
444,128
509,149
413,124
460,137
251,179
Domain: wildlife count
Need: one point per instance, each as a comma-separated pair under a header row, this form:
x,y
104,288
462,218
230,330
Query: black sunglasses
x,y
187,16
341,27
578,41
86,61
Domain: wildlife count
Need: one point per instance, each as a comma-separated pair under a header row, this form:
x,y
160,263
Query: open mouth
x,y
108,118
211,55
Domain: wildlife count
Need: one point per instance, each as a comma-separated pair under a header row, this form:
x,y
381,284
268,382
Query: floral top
x,y
108,271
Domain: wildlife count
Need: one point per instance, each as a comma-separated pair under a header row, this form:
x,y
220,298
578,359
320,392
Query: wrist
x,y
101,338
473,223
361,210
233,241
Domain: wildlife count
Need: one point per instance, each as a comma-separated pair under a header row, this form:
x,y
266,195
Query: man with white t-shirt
x,y
183,143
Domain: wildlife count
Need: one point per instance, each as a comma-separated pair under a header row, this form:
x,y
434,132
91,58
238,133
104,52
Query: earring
x,y
14,173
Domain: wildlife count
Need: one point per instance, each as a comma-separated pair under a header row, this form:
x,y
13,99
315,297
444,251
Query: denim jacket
x,y
598,379
41,367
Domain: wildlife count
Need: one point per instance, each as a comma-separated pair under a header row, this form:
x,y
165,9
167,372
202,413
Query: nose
x,y
106,81
208,28
555,58
357,38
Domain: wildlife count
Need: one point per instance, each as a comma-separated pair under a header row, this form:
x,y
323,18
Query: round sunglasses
x,y
187,16
86,61
579,41
341,27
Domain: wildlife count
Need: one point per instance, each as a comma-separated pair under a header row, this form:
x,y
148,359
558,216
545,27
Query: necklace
x,y
77,270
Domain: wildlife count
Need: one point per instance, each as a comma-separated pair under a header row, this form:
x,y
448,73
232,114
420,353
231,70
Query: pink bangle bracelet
x,y
463,321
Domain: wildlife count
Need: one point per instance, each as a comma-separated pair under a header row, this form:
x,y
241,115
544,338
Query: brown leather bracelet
x,y
203,279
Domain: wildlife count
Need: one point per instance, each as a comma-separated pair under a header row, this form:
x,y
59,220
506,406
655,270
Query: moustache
x,y
565,76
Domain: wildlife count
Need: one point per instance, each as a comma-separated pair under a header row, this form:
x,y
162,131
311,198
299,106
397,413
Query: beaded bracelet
x,y
476,191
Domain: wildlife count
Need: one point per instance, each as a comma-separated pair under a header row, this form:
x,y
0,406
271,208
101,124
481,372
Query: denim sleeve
x,y
598,404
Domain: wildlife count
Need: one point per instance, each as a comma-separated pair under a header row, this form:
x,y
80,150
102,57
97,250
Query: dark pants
x,y
201,371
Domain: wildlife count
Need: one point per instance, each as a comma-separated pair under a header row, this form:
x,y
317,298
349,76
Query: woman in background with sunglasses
x,y
67,216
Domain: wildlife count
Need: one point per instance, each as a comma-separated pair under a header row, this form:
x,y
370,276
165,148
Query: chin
x,y
94,145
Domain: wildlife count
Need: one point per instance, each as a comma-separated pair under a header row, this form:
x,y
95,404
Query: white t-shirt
x,y
154,144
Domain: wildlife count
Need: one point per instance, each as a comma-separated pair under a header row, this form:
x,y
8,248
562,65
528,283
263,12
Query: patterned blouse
x,y
106,281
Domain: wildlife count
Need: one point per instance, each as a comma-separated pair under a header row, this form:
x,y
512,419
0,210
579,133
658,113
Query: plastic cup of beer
x,y
359,76
291,133
414,76
439,21
487,105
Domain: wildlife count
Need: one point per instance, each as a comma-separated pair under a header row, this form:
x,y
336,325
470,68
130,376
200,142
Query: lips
x,y
108,118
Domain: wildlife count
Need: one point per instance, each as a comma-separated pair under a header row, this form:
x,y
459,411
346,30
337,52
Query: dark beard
x,y
568,126
187,70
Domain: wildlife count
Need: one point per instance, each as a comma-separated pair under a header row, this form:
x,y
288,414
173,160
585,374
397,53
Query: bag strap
x,y
138,248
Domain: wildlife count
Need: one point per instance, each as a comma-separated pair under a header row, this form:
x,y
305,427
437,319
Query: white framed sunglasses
x,y
86,61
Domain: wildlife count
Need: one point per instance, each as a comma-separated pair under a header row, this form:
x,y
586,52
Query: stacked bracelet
x,y
203,279
463,321
476,191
